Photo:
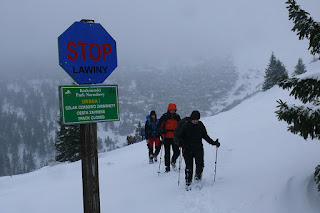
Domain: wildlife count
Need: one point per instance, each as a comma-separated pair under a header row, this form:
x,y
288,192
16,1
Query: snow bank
x,y
261,168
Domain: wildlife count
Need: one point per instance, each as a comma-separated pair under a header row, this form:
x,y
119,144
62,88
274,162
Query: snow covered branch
x,y
305,26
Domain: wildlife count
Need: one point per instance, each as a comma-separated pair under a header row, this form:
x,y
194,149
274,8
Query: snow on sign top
x,y
87,52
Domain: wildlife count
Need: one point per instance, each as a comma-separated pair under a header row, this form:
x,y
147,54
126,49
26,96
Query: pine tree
x,y
138,132
303,119
68,143
110,144
100,145
6,166
317,176
29,164
305,26
282,72
16,165
300,68
274,72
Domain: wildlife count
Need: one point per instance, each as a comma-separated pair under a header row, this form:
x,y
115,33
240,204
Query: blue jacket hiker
x,y
152,136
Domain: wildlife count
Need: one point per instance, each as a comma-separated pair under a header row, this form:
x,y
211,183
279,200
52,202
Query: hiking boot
x,y
167,169
173,164
155,158
198,177
188,186
150,160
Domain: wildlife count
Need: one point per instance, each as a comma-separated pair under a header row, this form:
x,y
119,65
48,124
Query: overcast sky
x,y
155,31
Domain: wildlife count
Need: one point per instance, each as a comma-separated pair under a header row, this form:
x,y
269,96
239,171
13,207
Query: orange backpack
x,y
170,125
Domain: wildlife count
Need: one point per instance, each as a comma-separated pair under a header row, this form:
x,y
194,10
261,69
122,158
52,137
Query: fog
x,y
154,32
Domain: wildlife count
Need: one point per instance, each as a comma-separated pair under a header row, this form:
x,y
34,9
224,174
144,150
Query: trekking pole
x,y
160,158
180,159
215,166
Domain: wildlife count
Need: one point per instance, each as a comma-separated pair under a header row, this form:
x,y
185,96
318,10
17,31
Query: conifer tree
x,y
6,166
300,68
305,26
2,169
138,132
68,143
282,72
110,144
100,145
303,119
274,72
29,164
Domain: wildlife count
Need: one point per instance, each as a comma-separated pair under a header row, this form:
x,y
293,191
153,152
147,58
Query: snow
x,y
261,168
248,84
312,71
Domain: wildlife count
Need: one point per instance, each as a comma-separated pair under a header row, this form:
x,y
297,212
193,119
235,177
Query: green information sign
x,y
89,104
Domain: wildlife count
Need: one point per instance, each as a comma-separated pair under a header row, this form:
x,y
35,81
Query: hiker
x,y
152,136
129,139
168,123
190,139
142,133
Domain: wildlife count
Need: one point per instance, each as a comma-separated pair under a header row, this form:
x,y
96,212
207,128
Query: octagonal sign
x,y
87,52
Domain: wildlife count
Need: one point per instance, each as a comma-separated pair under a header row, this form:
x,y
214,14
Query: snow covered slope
x,y
261,168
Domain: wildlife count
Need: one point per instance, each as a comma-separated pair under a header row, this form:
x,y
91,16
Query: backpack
x,y
176,139
148,119
153,131
168,124
142,131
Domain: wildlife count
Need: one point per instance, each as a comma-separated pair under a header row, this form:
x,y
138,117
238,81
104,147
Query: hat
x,y
172,106
195,115
153,113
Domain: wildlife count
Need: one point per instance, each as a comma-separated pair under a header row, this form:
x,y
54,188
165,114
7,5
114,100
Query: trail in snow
x,y
261,168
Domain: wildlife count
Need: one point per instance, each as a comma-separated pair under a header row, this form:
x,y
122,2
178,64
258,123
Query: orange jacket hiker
x,y
169,121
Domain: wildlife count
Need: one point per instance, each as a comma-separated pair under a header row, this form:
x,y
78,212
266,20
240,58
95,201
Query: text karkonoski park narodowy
x,y
87,104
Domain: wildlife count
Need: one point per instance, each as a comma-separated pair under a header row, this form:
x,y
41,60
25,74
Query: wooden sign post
x,y
90,173
88,54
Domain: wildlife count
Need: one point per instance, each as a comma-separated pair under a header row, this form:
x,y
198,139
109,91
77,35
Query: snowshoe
x,y
198,184
188,187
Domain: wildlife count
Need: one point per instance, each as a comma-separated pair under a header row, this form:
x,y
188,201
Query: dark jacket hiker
x,y
152,135
176,138
190,137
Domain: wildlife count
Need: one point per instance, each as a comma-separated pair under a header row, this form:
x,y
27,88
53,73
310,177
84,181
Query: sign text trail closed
x,y
88,104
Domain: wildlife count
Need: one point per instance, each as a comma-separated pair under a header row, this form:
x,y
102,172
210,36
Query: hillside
x,y
261,168
30,106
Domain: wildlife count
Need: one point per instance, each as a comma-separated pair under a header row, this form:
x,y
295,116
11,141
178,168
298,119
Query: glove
x,y
217,143
163,131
